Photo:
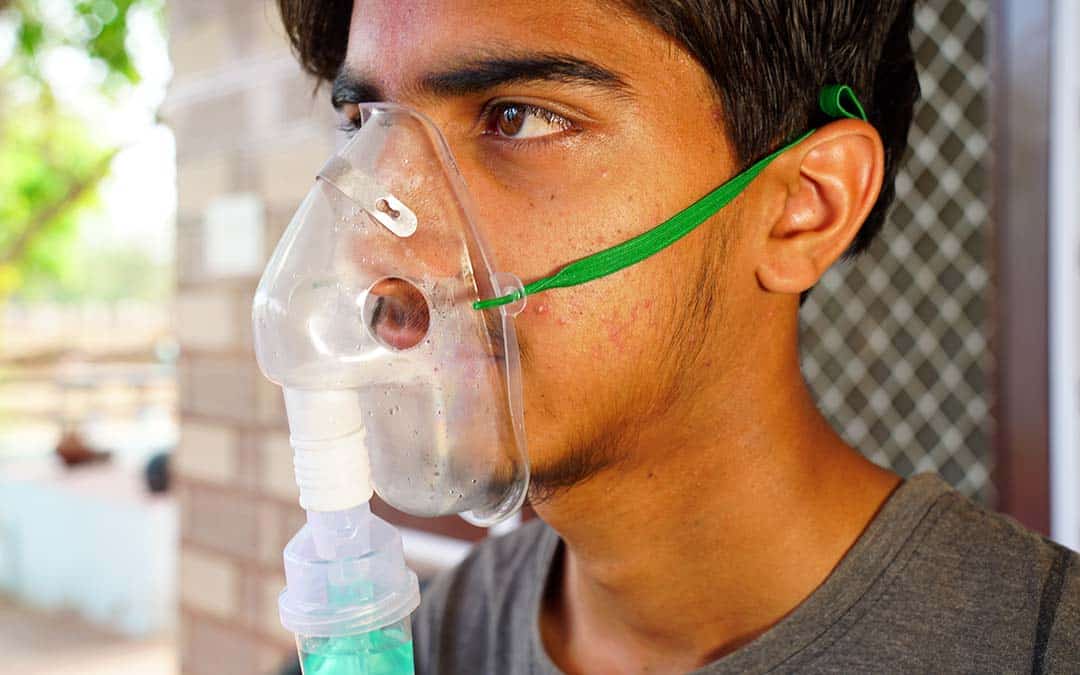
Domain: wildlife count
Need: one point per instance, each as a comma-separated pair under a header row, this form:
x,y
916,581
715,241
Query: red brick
x,y
206,319
209,125
206,452
207,583
219,388
270,587
278,522
222,521
203,45
247,460
270,404
214,648
288,172
278,477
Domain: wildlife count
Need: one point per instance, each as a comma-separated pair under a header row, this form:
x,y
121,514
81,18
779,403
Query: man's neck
x,y
682,557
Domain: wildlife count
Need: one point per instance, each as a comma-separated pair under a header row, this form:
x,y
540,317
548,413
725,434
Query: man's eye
x,y
519,121
348,117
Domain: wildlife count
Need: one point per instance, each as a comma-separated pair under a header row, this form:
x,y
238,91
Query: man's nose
x,y
403,155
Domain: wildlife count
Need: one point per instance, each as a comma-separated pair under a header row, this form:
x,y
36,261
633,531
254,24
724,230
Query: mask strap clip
x,y
835,100
508,285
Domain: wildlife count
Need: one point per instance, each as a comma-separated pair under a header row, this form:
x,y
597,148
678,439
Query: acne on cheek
x,y
621,326
616,334
542,311
598,352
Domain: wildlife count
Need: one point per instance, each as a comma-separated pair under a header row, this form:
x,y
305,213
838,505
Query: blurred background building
x,y
128,262
87,353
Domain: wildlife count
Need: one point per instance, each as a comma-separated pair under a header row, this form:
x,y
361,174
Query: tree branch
x,y
42,218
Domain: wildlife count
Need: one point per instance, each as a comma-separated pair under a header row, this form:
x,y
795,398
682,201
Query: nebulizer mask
x,y
393,382
390,329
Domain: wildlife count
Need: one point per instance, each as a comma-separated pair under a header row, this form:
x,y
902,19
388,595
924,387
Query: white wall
x,y
1065,276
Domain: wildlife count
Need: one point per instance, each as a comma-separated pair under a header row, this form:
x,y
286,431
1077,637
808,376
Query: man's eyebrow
x,y
482,74
348,87
479,75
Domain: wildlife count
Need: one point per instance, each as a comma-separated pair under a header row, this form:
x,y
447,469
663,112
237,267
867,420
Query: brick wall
x,y
248,131
245,124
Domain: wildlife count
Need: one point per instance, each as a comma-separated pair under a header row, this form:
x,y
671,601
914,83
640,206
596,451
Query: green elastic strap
x,y
836,100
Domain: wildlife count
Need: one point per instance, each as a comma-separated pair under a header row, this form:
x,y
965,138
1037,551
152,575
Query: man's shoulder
x,y
983,553
983,578
1022,573
988,544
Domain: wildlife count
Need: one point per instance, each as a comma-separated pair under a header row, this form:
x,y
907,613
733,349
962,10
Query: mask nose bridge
x,y
396,157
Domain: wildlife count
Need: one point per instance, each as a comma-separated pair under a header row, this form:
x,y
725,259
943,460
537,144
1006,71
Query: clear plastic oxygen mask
x,y
364,315
393,382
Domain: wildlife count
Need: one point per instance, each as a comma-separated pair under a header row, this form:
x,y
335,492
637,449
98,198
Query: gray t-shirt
x,y
935,584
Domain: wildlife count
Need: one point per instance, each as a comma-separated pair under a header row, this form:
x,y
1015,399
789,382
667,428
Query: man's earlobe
x,y
840,170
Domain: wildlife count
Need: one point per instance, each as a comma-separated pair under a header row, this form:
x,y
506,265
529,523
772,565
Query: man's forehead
x,y
396,44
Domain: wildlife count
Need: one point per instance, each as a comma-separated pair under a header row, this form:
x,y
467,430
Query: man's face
x,y
576,126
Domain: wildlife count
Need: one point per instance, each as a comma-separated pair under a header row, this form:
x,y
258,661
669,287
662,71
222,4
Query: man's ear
x,y
837,181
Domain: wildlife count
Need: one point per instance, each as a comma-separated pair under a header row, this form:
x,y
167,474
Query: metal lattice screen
x,y
894,345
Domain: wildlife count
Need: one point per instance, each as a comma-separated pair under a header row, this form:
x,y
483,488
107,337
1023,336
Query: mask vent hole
x,y
396,313
385,207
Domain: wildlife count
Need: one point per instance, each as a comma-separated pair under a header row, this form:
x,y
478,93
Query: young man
x,y
697,511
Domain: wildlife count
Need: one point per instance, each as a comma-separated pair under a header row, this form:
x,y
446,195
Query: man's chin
x,y
549,479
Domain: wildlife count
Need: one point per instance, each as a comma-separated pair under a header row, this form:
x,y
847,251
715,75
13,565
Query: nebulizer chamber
x,y
393,382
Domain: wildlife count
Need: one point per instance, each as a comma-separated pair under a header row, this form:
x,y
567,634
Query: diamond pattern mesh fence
x,y
895,343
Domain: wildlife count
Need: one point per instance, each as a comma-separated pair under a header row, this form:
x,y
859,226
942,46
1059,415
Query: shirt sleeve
x,y
1061,653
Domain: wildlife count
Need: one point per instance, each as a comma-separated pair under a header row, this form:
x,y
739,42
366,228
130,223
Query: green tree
x,y
51,159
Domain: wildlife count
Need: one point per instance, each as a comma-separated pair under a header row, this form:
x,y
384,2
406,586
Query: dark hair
x,y
767,58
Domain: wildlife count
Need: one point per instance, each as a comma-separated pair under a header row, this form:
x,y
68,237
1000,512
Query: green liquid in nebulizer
x,y
386,651
349,595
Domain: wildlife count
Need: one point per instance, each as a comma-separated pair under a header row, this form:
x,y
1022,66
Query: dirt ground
x,y
38,643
